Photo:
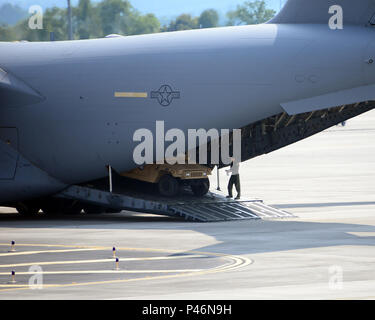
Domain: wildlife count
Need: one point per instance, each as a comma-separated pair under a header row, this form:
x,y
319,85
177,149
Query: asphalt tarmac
x,y
327,251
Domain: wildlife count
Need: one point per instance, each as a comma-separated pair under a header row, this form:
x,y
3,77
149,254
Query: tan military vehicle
x,y
171,177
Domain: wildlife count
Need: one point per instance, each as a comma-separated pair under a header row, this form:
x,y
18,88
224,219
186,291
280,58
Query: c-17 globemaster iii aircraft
x,y
69,109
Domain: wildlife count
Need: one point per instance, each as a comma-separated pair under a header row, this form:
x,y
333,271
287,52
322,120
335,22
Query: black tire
x,y
200,187
113,210
27,209
93,209
168,186
51,206
73,208
61,206
49,210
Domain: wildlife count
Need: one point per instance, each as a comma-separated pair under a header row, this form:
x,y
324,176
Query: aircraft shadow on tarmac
x,y
242,237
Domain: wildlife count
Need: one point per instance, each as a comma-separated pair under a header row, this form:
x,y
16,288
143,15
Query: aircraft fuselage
x,y
97,93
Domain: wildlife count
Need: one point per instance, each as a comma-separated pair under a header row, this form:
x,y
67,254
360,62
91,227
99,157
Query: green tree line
x,y
120,17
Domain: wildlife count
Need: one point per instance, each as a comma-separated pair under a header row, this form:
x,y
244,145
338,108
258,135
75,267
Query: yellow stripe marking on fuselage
x,y
131,95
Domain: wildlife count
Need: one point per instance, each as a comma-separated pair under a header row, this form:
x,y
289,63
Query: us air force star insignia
x,y
165,95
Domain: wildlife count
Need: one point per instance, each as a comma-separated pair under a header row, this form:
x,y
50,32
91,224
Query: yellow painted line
x,y
13,285
236,262
102,271
96,261
23,253
131,94
57,246
117,248
209,271
221,255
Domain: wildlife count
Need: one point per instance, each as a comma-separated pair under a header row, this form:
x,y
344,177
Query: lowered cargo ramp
x,y
211,208
224,210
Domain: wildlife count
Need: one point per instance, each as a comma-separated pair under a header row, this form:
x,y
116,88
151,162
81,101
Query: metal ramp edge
x,y
214,208
228,211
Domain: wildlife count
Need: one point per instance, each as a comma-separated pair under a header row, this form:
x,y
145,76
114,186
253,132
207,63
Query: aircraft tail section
x,y
14,92
355,12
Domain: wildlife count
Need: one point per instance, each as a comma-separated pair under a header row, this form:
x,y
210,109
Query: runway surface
x,y
326,252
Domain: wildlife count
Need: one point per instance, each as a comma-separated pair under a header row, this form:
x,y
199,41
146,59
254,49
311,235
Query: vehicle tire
x,y
113,210
61,206
27,209
93,209
49,210
168,186
72,208
200,187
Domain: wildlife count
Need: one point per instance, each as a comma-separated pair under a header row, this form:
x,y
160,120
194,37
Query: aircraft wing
x,y
14,92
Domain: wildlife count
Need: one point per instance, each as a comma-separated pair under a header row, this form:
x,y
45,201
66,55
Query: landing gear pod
x,y
28,208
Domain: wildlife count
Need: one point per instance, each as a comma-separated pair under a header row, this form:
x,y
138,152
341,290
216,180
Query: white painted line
x,y
97,261
363,234
23,253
